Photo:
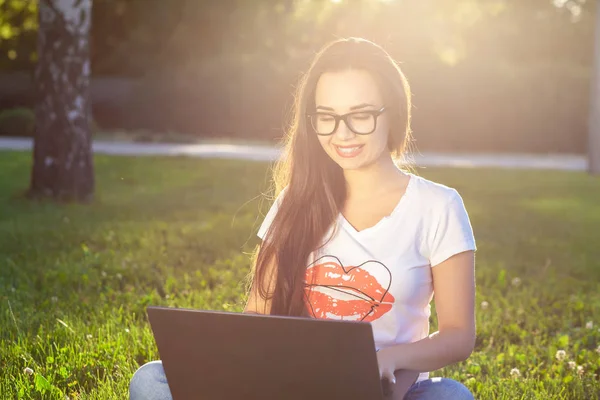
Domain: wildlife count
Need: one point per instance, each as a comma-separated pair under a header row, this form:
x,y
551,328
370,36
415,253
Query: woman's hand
x,y
398,380
387,365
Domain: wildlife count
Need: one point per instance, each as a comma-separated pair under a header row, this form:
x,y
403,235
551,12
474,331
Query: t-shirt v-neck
x,y
343,222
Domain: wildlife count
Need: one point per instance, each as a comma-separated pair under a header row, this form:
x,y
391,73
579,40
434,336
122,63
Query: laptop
x,y
221,355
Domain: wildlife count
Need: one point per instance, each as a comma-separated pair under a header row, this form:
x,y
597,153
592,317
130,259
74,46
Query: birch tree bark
x,y
62,156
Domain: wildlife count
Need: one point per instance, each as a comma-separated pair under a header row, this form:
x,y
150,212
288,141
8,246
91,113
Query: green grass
x,y
75,280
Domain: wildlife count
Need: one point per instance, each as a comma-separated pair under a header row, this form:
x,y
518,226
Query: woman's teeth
x,y
348,151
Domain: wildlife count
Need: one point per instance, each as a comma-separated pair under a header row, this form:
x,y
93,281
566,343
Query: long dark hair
x,y
315,185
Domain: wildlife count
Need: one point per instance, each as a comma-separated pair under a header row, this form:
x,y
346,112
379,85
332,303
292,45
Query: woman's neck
x,y
373,179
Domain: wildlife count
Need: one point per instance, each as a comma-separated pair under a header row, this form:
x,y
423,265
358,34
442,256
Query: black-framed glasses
x,y
360,122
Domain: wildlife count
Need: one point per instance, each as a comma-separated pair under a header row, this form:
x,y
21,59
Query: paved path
x,y
568,162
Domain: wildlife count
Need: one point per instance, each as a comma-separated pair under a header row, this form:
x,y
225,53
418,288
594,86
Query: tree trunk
x,y
594,133
62,156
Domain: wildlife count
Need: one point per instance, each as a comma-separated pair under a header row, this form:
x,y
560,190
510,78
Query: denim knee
x,y
439,389
149,382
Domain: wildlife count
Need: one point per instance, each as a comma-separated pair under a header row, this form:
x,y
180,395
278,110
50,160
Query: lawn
x,y
75,279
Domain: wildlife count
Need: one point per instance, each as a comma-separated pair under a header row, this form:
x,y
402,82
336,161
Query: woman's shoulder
x,y
432,192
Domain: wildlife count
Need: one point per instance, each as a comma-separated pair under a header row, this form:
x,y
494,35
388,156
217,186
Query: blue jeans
x,y
150,383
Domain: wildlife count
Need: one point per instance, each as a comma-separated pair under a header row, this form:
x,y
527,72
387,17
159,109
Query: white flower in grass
x,y
103,273
484,305
598,349
572,364
89,336
589,325
515,373
54,299
580,370
560,355
516,281
12,289
126,330
119,276
28,371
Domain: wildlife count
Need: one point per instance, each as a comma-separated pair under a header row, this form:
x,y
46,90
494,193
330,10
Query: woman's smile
x,y
349,151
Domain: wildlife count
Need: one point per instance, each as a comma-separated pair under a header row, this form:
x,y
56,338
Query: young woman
x,y
353,236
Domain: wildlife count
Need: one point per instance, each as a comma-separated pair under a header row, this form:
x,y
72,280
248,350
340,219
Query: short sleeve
x,y
266,224
451,232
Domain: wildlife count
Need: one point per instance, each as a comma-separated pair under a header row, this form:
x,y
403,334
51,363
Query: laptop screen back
x,y
218,355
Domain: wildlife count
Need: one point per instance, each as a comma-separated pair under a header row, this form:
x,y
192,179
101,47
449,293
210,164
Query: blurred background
x,y
487,75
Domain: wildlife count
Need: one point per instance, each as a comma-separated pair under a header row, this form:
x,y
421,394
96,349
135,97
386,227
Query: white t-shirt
x,y
382,274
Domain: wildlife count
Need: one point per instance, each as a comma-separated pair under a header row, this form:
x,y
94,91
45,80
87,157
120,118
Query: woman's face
x,y
351,91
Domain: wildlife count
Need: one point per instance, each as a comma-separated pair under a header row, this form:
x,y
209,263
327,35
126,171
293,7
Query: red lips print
x,y
348,293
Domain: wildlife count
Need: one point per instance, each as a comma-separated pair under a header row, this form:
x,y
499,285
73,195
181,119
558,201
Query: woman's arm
x,y
256,304
454,291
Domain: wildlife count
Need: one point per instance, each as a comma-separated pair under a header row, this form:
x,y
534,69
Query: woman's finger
x,y
389,375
